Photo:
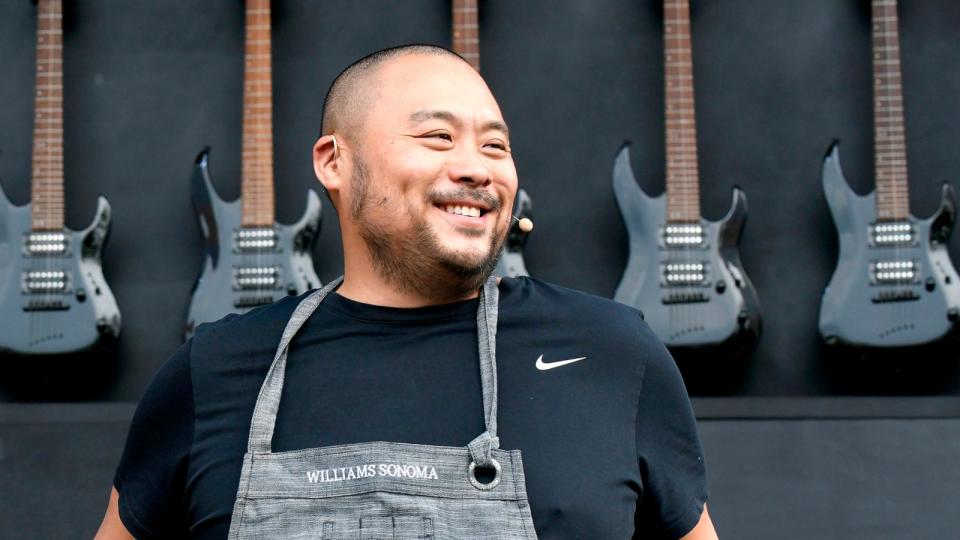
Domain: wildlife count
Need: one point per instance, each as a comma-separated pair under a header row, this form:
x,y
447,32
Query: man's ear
x,y
326,163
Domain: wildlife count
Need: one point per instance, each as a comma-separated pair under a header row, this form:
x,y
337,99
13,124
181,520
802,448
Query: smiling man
x,y
418,397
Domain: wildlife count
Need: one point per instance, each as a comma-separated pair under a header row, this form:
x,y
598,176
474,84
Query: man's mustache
x,y
488,199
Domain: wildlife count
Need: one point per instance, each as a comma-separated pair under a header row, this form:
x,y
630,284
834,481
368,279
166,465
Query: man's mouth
x,y
462,210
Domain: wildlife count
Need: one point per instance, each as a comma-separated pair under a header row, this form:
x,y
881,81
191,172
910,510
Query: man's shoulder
x,y
240,334
564,307
544,294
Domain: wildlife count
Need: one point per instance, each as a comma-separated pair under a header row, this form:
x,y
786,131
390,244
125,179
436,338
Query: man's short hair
x,y
352,93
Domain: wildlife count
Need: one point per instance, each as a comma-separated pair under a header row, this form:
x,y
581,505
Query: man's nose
x,y
467,166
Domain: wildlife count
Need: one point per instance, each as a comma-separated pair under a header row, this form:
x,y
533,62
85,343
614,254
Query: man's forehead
x,y
420,87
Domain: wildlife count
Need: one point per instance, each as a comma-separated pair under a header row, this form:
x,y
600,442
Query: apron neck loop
x,y
268,401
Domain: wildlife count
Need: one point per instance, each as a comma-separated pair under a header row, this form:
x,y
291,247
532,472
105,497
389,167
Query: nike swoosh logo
x,y
543,366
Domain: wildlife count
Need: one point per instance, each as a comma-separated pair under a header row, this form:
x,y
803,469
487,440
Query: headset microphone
x,y
525,224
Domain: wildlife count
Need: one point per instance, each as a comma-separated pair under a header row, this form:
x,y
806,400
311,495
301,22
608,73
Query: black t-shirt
x,y
609,443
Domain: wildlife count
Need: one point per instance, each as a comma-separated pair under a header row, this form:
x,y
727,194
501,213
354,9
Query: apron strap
x,y
481,448
268,401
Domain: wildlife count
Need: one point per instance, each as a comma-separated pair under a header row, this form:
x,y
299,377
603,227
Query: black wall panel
x,y
150,83
775,479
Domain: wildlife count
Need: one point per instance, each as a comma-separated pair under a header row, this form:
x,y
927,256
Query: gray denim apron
x,y
381,490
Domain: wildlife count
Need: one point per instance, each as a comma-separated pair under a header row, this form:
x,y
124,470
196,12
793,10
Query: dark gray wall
x,y
798,479
149,83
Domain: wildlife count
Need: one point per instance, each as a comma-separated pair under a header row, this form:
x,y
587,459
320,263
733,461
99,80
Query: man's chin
x,y
466,262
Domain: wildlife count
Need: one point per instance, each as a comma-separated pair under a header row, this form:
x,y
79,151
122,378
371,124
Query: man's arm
x,y
704,529
112,528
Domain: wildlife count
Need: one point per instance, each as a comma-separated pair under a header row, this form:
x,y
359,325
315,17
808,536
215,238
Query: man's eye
x,y
499,145
441,135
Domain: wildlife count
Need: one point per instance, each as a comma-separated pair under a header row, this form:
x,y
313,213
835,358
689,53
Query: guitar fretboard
x,y
466,31
257,151
47,163
683,184
890,149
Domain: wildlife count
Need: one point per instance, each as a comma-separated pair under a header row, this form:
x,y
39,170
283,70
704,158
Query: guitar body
x,y
718,307
54,302
237,275
511,262
917,307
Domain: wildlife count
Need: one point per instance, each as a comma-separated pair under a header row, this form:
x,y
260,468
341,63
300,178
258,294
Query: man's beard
x,y
416,261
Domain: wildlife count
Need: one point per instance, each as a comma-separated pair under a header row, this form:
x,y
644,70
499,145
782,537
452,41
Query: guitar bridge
x,y
685,298
885,297
46,305
252,301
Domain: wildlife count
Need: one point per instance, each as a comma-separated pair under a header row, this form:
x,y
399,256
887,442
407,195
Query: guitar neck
x,y
466,31
683,184
257,150
47,174
890,149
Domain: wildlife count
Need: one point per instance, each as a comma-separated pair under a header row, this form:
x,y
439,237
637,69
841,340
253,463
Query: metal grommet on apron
x,y
381,490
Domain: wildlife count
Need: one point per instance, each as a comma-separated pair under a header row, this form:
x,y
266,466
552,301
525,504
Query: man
x,y
416,159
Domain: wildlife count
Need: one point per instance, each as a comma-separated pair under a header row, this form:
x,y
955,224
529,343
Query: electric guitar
x,y
683,271
466,43
249,260
894,284
53,296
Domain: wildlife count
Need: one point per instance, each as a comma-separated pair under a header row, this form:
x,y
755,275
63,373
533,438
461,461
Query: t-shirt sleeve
x,y
669,453
152,473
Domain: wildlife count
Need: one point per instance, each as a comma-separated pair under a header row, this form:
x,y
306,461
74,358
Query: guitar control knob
x,y
931,284
721,286
81,295
292,289
743,319
953,315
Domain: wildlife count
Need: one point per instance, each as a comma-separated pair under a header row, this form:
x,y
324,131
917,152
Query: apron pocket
x,y
402,527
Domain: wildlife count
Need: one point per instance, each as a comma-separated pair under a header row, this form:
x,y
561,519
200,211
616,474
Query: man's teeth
x,y
469,211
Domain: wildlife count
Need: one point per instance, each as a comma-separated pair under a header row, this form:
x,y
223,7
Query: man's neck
x,y
362,282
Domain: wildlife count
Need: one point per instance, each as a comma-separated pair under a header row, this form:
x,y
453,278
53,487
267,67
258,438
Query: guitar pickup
x,y
256,277
683,235
894,272
892,234
45,243
256,239
44,281
684,274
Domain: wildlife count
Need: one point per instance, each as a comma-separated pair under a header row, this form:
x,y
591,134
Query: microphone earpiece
x,y
525,224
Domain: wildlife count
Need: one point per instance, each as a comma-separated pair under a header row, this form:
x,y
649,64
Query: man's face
x,y
433,180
